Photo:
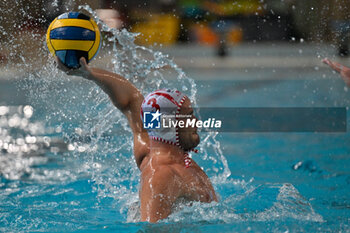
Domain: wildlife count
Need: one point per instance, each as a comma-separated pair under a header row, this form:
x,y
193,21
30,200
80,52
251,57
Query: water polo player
x,y
168,174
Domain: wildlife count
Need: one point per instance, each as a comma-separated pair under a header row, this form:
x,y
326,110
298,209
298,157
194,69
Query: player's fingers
x,y
83,63
57,61
65,69
328,62
60,65
325,60
334,65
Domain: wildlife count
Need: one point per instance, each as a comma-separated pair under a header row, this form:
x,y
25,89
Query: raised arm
x,y
124,95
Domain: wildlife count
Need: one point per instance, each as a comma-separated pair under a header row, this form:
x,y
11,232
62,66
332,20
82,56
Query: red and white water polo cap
x,y
168,102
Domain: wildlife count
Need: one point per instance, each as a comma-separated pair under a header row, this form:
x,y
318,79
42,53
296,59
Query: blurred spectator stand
x,y
342,28
158,29
111,17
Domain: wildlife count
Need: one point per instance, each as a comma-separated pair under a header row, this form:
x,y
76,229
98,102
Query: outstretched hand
x,y
343,70
84,70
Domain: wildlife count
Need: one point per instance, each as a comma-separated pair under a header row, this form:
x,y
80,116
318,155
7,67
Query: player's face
x,y
189,137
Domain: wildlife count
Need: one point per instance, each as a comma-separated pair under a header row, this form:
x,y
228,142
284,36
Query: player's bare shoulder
x,y
196,184
162,179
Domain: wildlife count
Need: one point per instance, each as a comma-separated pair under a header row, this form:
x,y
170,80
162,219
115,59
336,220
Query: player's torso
x,y
192,181
196,184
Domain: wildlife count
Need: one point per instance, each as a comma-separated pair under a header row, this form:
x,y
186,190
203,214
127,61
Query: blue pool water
x,y
80,175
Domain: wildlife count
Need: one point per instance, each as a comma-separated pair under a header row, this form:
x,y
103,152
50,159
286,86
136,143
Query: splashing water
x,y
261,203
99,141
128,60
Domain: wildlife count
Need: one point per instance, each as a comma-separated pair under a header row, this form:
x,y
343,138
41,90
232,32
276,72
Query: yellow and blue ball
x,y
73,35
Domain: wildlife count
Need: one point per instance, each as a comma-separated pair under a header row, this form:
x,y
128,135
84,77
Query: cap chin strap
x,y
187,160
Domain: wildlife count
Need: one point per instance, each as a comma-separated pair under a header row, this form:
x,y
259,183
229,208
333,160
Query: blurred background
x,y
219,24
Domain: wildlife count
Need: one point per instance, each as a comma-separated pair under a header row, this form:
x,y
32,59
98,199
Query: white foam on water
x,y
249,205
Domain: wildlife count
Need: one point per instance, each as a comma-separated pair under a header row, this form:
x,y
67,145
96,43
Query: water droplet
x,y
28,111
3,110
